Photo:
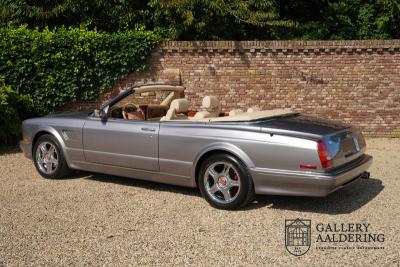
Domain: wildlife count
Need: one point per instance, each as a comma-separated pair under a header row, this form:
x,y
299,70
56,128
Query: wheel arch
x,y
216,149
50,131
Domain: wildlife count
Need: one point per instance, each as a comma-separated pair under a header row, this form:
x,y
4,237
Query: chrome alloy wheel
x,y
222,182
47,157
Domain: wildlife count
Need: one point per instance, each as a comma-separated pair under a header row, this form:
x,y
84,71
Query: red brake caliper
x,y
234,189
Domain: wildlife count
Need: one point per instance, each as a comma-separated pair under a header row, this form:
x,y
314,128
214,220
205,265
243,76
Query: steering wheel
x,y
130,106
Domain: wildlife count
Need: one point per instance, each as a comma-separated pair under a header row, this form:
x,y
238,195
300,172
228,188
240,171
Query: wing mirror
x,y
101,113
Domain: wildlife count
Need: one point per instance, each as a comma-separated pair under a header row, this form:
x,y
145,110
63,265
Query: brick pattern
x,y
351,81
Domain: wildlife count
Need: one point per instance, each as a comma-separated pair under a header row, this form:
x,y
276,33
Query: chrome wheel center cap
x,y
222,181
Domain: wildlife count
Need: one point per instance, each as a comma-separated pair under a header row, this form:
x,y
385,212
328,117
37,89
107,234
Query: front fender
x,y
56,134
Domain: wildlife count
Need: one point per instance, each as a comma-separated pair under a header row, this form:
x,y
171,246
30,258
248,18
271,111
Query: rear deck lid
x,y
343,141
297,123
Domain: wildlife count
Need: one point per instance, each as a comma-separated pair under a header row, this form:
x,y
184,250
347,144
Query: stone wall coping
x,y
283,46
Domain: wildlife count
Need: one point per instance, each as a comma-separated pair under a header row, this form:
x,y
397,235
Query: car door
x,y
123,143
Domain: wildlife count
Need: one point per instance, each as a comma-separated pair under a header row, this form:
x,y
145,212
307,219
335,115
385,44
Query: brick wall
x,y
352,81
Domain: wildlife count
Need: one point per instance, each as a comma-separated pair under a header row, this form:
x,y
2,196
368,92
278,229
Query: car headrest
x,y
180,105
210,102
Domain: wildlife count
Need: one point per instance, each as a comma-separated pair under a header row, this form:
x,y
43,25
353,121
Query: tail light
x,y
324,155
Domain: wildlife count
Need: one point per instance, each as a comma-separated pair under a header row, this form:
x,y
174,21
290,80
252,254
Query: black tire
x,y
244,195
61,170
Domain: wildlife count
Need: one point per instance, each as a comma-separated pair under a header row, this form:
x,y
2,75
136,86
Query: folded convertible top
x,y
250,116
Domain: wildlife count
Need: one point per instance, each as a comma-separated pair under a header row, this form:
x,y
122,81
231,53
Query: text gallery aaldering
x,y
330,236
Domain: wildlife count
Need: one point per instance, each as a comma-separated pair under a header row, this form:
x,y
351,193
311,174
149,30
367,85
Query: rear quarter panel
x,y
182,144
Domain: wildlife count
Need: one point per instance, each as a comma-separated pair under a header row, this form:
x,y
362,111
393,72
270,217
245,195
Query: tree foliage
x,y
342,19
216,19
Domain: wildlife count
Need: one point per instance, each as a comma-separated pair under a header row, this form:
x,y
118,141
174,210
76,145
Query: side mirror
x,y
104,113
101,113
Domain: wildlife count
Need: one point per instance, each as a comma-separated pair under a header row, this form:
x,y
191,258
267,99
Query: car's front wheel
x,y
225,182
49,159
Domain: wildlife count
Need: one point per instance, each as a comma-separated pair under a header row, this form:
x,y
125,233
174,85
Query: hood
x,y
74,114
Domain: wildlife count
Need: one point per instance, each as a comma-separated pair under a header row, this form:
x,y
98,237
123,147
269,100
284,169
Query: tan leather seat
x,y
253,109
156,112
176,110
211,108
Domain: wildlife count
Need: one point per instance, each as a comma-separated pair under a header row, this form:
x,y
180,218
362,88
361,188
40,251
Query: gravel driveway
x,y
93,219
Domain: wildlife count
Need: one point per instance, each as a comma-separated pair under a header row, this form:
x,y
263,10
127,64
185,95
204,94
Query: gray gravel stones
x,y
103,220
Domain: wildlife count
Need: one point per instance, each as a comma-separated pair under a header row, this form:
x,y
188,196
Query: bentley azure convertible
x,y
148,132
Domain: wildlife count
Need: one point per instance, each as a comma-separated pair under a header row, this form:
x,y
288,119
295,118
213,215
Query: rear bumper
x,y
26,148
297,183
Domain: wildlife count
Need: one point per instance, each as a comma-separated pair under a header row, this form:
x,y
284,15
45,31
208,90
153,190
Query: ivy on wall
x,y
54,67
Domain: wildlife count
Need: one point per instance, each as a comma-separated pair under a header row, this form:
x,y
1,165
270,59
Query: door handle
x,y
148,129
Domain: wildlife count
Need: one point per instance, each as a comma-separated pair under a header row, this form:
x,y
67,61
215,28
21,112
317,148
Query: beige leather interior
x,y
156,112
176,110
132,106
248,116
115,112
211,108
167,101
234,112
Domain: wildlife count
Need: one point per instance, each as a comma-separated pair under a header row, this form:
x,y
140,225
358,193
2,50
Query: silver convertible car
x,y
148,132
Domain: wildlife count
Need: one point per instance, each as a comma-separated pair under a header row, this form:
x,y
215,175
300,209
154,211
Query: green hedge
x,y
54,67
12,105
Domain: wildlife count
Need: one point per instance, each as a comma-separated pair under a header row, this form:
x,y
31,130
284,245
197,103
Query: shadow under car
x,y
343,201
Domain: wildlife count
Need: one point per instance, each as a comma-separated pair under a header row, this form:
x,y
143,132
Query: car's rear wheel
x,y
49,158
225,182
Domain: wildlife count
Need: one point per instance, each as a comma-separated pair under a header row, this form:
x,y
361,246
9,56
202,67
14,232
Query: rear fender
x,y
225,147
